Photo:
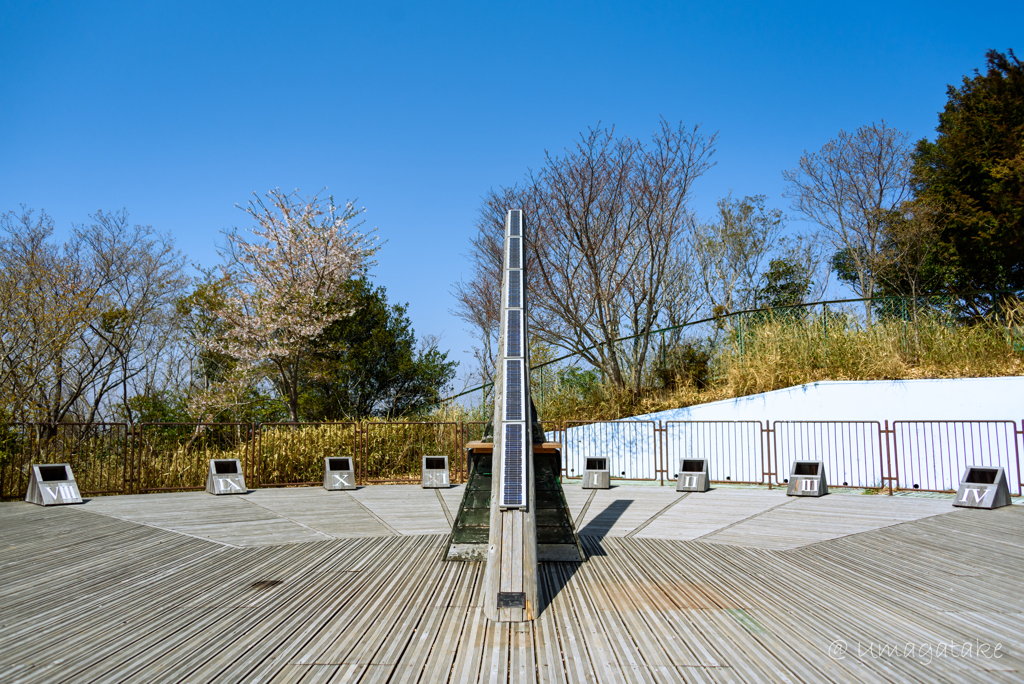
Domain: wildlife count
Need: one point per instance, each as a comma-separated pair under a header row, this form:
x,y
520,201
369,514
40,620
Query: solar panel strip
x,y
514,291
512,411
513,390
512,494
513,334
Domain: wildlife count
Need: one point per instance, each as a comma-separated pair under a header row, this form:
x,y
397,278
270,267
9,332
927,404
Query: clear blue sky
x,y
177,111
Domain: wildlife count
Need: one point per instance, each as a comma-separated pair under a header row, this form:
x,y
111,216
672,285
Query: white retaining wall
x,y
938,428
959,399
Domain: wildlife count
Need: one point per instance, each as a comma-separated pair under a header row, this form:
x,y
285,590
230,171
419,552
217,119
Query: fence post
x,y
886,432
767,432
138,451
1016,449
256,442
357,452
129,433
659,452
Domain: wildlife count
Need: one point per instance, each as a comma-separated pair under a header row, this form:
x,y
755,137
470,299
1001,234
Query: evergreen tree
x,y
368,364
973,178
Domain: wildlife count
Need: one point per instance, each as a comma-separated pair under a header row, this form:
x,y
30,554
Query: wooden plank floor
x,y
741,516
91,597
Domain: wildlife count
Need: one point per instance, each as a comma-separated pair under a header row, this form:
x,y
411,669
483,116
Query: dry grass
x,y
778,354
383,451
783,352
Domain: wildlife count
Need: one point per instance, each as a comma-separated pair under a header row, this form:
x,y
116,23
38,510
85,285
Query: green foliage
x,y
554,384
785,283
194,312
158,407
12,441
254,406
578,383
688,365
730,252
843,265
974,175
367,364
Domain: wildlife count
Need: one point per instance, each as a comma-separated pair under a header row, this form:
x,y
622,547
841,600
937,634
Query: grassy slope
x,y
783,353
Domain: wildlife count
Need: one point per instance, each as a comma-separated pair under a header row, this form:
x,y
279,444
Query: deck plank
x,y
753,593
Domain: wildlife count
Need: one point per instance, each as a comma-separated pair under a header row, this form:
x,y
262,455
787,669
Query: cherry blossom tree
x,y
283,285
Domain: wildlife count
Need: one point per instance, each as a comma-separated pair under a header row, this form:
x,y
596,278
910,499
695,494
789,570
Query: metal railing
x,y
99,455
735,450
632,448
290,454
116,458
960,443
175,457
852,451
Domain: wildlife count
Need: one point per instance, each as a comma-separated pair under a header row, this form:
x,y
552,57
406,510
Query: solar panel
x,y
514,299
512,474
511,414
513,335
513,390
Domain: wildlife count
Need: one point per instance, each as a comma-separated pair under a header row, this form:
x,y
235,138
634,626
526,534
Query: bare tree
x,y
283,289
912,233
83,319
733,250
42,309
608,223
682,296
848,187
142,275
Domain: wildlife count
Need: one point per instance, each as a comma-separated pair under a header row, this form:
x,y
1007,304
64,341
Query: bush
x,y
688,365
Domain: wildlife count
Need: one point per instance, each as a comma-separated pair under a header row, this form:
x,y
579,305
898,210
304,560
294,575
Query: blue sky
x,y
177,111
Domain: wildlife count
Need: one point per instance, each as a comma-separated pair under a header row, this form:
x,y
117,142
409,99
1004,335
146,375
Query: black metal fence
x,y
114,458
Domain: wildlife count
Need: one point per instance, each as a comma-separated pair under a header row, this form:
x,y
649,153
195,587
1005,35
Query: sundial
x,y
513,513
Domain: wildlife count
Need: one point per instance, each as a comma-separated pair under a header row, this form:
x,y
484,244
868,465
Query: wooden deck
x,y
305,585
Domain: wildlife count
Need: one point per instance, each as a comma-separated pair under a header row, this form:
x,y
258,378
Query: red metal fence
x,y
114,458
99,454
735,450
